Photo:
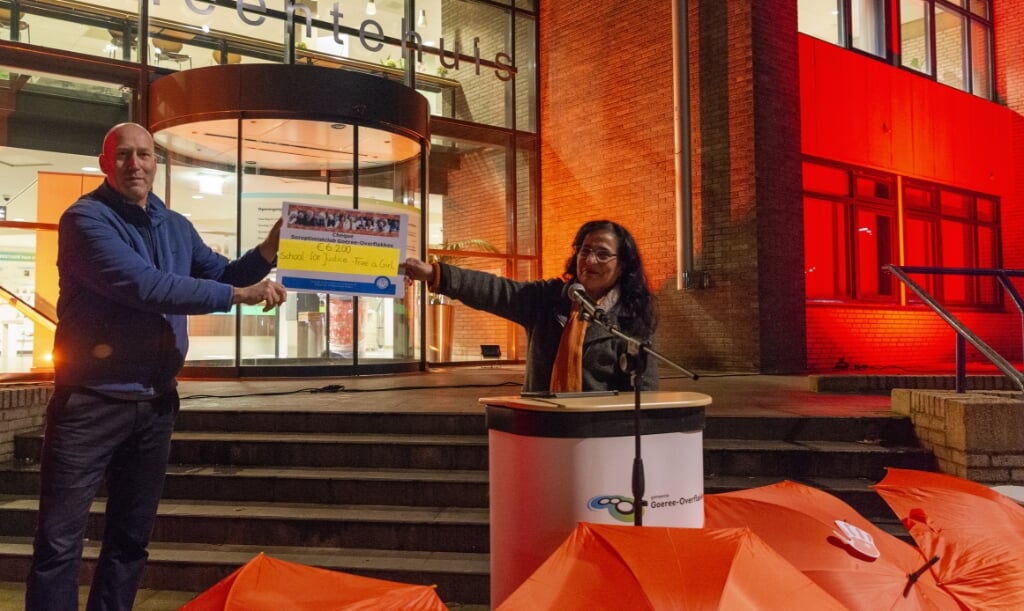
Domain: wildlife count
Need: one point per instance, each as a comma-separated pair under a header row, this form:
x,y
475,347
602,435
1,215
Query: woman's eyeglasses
x,y
601,256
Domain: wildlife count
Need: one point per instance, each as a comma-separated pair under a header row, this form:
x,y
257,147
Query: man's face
x,y
129,162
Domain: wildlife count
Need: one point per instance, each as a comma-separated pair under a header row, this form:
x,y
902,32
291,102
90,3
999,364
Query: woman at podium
x,y
569,321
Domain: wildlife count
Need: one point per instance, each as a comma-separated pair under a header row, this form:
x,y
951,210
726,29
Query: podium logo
x,y
619,507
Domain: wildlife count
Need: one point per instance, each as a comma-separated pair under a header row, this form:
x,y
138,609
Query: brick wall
x,y
880,340
607,151
1009,21
473,327
977,435
21,409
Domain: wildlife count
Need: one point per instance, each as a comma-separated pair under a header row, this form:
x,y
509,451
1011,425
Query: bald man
x,y
131,270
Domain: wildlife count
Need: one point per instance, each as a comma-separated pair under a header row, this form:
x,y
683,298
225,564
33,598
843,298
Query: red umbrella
x,y
977,533
269,584
861,565
604,566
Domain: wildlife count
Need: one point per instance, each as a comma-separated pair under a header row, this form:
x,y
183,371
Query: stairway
x,y
402,495
842,456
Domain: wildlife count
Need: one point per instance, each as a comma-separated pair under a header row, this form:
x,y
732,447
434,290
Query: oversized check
x,y
342,250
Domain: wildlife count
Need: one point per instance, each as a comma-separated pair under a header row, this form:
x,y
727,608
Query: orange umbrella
x,y
604,566
977,533
269,584
861,565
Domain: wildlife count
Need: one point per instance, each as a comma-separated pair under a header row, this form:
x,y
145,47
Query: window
x,y
850,225
946,228
949,40
856,24
820,20
946,40
826,258
852,230
867,26
915,24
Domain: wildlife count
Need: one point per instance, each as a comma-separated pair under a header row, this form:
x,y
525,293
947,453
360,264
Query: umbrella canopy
x,y
269,584
858,563
604,566
977,533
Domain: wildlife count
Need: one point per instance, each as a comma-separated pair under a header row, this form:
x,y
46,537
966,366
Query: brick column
x,y
21,409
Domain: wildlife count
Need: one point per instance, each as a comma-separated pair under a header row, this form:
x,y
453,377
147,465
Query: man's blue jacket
x,y
128,278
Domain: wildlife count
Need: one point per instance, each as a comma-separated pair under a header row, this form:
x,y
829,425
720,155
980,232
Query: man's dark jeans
x,y
89,437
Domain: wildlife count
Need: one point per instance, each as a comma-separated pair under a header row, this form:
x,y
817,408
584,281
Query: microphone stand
x,y
634,362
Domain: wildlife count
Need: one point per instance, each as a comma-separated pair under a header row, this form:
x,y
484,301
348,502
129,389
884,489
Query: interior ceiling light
x,y
371,7
211,185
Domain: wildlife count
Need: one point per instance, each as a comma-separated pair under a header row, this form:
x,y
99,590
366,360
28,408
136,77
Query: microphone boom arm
x,y
643,347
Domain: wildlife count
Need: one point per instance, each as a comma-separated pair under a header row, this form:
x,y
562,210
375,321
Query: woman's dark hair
x,y
636,314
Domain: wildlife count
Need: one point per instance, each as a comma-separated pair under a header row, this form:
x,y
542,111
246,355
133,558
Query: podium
x,y
555,462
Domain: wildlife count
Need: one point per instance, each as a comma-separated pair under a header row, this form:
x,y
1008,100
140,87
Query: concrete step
x,y
459,577
282,484
394,527
882,384
795,460
892,430
330,442
302,420
854,491
319,486
311,468
313,449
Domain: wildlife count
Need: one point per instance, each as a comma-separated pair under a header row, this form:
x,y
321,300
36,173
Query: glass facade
x,y
474,62
947,40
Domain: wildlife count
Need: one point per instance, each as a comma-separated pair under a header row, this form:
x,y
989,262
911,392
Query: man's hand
x,y
268,292
268,247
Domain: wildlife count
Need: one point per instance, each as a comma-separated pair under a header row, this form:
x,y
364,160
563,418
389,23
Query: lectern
x,y
555,462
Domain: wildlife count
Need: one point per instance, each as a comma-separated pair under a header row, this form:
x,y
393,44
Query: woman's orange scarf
x,y
567,372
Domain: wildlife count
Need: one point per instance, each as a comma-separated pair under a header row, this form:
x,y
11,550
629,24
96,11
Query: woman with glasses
x,y
567,350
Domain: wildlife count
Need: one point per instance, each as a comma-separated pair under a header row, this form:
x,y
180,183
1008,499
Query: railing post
x,y
964,334
961,363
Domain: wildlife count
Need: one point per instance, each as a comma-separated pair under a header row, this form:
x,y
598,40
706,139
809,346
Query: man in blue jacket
x,y
130,270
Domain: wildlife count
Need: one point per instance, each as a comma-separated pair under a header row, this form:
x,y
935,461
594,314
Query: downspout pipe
x,y
683,183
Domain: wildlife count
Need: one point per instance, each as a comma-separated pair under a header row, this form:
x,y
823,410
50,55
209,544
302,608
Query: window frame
x,y
981,225
939,219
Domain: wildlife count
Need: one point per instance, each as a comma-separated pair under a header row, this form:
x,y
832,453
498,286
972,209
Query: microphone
x,y
579,294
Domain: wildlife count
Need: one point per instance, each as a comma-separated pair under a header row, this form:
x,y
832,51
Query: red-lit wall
x,y
863,112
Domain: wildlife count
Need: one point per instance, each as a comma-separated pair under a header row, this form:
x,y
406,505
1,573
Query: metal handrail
x,y
963,332
27,309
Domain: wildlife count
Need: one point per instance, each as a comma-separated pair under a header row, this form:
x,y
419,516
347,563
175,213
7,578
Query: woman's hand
x,y
416,269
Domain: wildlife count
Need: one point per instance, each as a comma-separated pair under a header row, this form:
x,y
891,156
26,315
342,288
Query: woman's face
x,y
597,263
